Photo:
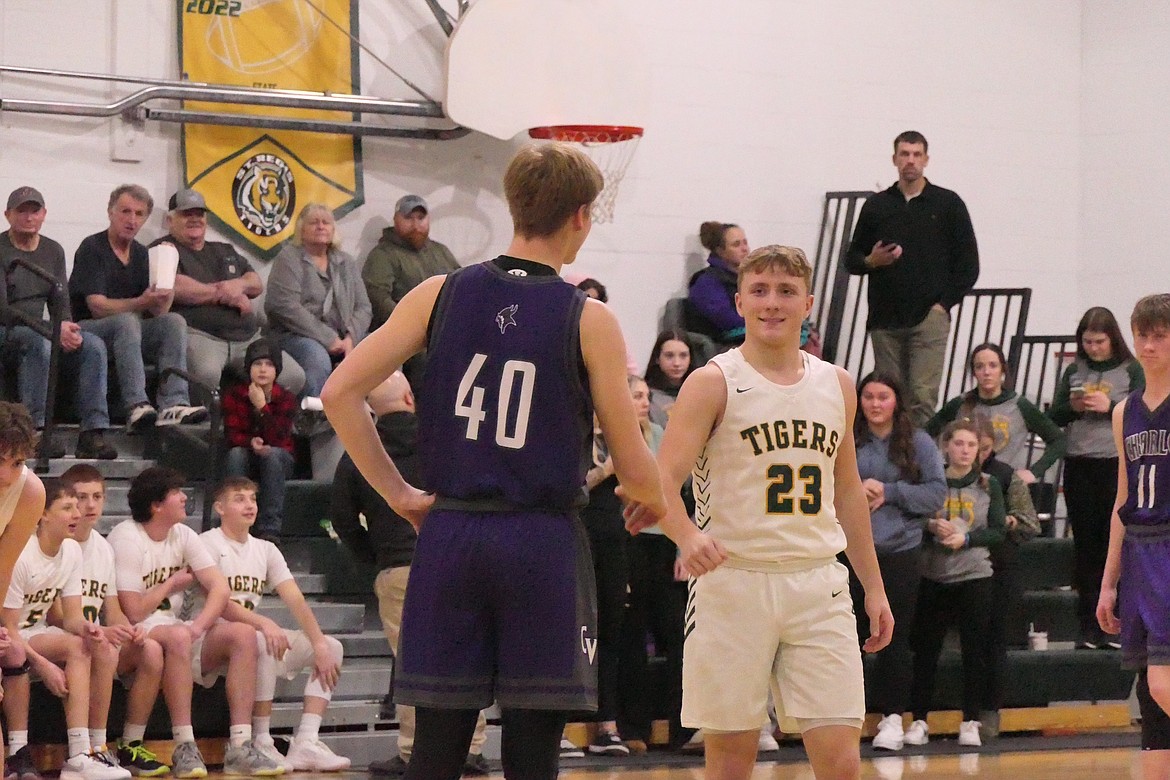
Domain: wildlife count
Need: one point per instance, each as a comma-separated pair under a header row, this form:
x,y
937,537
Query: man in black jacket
x,y
916,242
387,541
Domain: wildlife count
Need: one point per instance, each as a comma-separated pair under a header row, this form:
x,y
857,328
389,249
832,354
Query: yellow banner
x,y
256,180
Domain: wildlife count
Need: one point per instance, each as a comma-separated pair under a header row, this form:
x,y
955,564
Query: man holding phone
x,y
916,242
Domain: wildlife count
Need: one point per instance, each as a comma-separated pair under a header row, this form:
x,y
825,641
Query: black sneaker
x,y
607,743
91,445
141,417
141,762
395,767
476,766
1090,643
51,448
1111,642
20,765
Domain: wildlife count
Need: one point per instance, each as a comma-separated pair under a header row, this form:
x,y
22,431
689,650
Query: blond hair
x,y
546,184
310,210
788,259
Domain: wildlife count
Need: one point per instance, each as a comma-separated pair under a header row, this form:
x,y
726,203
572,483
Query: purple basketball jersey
x,y
1146,445
505,415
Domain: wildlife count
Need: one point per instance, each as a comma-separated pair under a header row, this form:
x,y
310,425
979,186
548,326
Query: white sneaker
x,y
969,734
917,734
181,415
767,742
313,755
889,734
266,746
84,766
570,750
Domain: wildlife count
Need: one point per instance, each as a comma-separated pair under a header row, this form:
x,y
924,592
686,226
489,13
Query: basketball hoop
x,y
611,147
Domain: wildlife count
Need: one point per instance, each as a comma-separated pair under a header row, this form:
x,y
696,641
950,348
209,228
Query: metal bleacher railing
x,y
214,436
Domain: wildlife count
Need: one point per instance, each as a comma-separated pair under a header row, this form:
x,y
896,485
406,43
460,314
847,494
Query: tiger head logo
x,y
264,194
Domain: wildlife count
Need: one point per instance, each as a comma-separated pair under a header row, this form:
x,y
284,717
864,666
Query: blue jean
x,y
270,470
131,338
88,361
314,359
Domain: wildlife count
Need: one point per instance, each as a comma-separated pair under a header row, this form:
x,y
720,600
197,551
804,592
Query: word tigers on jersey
x,y
242,583
791,434
93,589
161,574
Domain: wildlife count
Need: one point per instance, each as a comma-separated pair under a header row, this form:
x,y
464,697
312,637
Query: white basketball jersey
x,y
252,567
38,579
98,575
143,563
764,483
10,497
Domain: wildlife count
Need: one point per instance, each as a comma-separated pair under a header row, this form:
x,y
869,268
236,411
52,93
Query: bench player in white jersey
x,y
253,566
140,658
767,431
157,558
48,571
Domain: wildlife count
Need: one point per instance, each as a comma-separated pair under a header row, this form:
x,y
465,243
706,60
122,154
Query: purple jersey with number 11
x,y
1146,449
505,414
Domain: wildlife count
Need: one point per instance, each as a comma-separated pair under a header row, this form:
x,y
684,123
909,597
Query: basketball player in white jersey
x,y
22,497
253,566
139,658
48,571
767,431
158,556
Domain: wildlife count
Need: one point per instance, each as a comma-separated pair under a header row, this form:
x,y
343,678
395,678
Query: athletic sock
x,y
309,727
134,732
17,740
239,734
183,733
78,741
261,726
97,738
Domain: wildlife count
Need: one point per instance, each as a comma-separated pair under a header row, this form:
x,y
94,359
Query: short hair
x,y
309,210
233,483
1098,319
585,285
788,259
55,488
136,191
1151,313
546,184
82,472
711,234
18,435
911,137
152,487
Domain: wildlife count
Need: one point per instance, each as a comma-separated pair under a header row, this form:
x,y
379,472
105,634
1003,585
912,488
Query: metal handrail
x,y
57,301
213,441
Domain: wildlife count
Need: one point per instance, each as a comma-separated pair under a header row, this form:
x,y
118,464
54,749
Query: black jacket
x,y
389,540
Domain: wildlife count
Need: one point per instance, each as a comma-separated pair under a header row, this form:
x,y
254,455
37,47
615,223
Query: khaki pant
x,y
915,356
390,588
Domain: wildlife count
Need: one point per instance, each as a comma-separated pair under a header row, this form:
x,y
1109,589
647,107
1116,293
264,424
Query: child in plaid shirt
x,y
258,425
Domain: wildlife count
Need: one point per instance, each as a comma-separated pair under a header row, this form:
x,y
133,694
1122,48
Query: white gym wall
x,y
1045,115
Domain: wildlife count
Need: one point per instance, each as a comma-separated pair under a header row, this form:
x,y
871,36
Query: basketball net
x,y
610,147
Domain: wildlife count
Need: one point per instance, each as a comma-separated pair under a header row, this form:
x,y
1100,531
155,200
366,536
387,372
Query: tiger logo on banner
x,y
252,178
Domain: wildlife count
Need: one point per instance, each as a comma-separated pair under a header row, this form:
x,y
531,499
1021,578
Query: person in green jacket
x,y
1014,419
1103,373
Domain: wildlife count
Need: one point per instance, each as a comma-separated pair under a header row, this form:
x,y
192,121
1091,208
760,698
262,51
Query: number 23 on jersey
x,y
516,381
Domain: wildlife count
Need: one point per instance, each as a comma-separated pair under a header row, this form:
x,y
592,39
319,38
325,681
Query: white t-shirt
x,y
98,575
143,563
252,567
38,579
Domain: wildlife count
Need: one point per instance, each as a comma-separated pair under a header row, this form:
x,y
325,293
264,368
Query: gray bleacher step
x,y
365,746
1054,611
333,617
361,678
343,713
128,445
119,468
366,644
310,584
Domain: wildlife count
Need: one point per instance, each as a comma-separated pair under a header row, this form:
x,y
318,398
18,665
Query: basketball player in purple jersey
x,y
1137,569
500,601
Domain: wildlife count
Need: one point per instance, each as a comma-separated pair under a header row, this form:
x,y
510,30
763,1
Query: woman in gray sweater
x,y
316,304
902,473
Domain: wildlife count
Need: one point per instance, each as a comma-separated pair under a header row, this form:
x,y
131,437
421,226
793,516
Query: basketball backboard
x,y
517,64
